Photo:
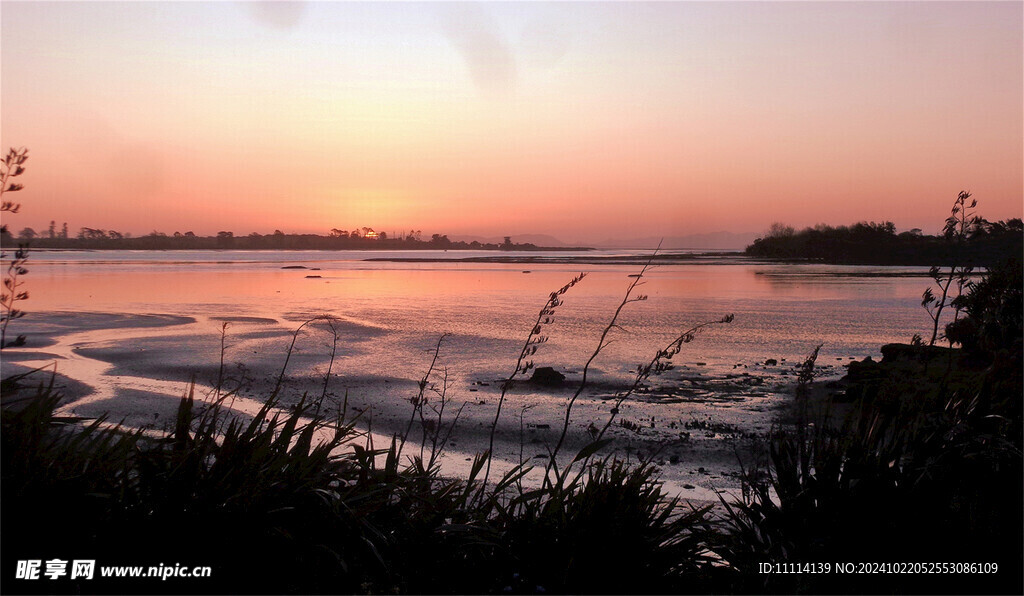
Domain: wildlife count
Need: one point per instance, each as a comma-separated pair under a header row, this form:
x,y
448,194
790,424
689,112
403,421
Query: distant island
x,y
360,239
878,244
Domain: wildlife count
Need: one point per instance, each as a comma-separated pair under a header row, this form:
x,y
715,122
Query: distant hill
x,y
535,239
709,241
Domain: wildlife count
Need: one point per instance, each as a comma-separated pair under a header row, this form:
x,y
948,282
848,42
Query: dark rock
x,y
864,370
771,362
548,376
864,379
312,277
294,267
892,353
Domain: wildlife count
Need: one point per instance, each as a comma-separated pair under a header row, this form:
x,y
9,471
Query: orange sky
x,y
585,121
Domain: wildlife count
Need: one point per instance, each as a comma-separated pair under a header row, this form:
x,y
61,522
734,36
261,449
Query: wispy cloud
x,y
276,14
488,59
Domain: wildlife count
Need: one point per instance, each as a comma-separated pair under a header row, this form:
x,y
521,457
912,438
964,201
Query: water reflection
x,y
779,310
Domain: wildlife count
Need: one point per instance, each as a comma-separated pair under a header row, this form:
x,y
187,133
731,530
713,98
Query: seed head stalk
x,y
533,341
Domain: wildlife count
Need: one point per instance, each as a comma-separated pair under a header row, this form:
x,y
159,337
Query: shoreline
x,y
716,258
132,368
632,256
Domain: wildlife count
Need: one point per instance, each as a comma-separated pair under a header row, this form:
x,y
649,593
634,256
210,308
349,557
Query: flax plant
x,y
12,166
534,340
659,364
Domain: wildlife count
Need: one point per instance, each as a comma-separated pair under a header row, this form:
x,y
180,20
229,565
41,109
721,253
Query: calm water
x,y
391,314
394,311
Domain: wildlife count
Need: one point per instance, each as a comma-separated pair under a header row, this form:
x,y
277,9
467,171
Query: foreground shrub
x,y
938,479
287,503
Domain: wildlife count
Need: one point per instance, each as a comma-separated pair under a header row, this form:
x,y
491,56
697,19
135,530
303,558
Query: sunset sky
x,y
584,121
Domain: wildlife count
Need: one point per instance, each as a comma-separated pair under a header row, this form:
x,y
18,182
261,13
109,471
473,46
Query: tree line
x,y
864,243
337,239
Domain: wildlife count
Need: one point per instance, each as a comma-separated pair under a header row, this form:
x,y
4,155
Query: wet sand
x,y
698,426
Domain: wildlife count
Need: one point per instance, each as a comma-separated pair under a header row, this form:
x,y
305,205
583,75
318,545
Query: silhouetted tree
x,y
91,234
961,224
780,230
